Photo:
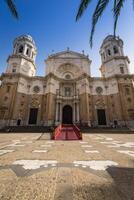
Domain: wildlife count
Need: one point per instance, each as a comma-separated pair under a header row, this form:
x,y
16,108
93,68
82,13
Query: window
x,y
27,52
68,76
115,49
109,52
21,49
67,91
13,70
122,70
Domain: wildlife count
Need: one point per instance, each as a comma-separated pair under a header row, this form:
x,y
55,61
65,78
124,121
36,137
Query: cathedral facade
x,y
67,93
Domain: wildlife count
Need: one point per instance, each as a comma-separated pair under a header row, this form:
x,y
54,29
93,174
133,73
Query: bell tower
x,y
112,56
23,57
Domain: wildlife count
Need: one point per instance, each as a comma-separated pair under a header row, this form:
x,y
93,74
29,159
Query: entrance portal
x,y
33,115
67,115
101,117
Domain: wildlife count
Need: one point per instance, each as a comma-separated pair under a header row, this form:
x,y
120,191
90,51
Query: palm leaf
x,y
117,10
101,5
12,8
133,3
83,6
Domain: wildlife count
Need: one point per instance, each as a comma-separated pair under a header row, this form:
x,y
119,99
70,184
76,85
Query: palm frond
x,y
83,6
117,10
12,8
133,3
101,5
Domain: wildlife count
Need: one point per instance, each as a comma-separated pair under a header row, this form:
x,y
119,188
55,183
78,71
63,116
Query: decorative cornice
x,y
21,56
116,58
55,56
61,80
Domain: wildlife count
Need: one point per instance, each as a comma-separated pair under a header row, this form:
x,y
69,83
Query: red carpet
x,y
67,132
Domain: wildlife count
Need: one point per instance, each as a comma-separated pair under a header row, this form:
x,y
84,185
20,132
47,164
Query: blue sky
x,y
52,25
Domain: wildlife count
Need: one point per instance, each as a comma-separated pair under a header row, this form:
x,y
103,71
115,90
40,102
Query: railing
x,y
57,131
77,131
63,132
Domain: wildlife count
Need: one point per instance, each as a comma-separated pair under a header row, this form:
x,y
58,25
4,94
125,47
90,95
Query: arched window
x,y
28,52
115,48
122,70
13,70
21,48
109,52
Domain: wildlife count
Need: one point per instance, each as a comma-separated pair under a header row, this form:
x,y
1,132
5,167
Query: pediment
x,y
68,54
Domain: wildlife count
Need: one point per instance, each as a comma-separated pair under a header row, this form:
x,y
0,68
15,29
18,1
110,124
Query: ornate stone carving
x,y
99,90
35,103
36,89
99,104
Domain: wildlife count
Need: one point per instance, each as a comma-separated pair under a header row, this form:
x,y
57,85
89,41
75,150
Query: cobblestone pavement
x,y
100,167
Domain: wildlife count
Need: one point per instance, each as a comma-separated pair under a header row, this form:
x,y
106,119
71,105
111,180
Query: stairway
x,y
67,132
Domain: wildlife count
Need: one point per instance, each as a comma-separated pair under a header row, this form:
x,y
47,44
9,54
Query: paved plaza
x,y
100,167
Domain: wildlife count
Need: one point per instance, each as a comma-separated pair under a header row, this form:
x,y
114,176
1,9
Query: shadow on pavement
x,y
121,188
123,180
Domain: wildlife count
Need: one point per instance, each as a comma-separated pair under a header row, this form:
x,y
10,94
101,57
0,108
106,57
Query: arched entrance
x,y
67,115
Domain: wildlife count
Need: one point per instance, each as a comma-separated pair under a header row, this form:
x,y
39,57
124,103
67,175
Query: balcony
x,y
63,97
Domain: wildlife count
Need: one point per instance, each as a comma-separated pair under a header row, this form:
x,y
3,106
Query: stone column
x,y
78,114
74,112
25,49
60,112
56,114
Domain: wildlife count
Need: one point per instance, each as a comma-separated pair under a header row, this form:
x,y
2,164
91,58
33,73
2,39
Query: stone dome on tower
x,y
25,37
112,46
22,59
24,45
112,37
112,55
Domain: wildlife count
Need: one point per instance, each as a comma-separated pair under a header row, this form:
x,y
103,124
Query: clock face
x,y
99,90
36,89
